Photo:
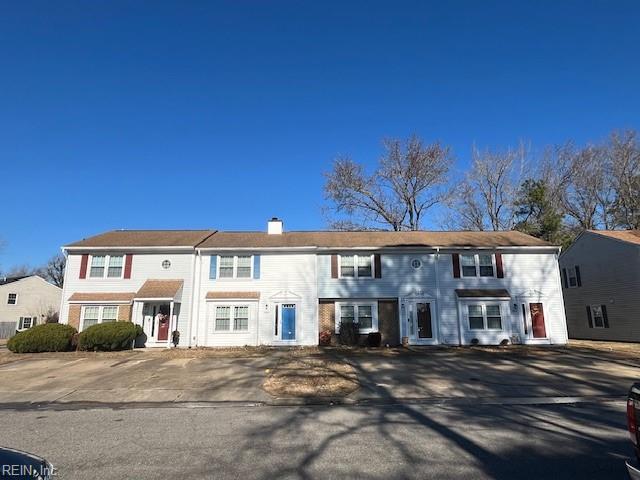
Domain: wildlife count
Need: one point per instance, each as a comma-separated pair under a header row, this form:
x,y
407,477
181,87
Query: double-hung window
x,y
12,299
106,266
235,266
26,322
573,277
474,265
484,316
231,318
364,314
356,266
94,314
597,316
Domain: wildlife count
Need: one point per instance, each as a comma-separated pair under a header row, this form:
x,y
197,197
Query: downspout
x,y
195,296
438,294
559,284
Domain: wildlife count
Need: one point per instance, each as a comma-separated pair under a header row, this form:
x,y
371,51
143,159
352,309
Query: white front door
x,y
421,322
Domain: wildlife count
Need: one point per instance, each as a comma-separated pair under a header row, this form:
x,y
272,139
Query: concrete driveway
x,y
384,376
489,373
133,377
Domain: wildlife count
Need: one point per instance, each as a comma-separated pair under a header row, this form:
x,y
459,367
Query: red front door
x,y
537,320
163,323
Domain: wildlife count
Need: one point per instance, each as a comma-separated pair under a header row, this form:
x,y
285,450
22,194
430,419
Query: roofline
x,y
176,247
597,232
390,247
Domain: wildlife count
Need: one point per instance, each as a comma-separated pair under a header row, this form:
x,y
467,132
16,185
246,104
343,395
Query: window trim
x,y
235,267
100,313
593,316
232,306
32,323
575,277
485,320
355,265
476,257
15,302
107,261
355,305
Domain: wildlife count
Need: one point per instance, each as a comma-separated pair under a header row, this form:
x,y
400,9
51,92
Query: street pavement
x,y
585,440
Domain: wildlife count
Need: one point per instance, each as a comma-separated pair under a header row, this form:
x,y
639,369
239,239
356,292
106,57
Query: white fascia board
x,y
90,249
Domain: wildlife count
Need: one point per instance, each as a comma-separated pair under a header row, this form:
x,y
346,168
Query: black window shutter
x,y
604,316
564,276
589,316
377,265
578,276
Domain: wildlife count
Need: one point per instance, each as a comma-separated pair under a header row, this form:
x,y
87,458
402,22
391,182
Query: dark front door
x,y
163,322
423,312
537,320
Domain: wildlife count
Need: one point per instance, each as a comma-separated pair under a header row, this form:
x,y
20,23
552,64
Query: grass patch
x,y
311,376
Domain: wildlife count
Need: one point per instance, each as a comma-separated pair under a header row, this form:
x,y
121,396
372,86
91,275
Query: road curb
x,y
325,402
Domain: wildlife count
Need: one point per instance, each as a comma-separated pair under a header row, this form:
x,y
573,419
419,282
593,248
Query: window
x,y
597,316
364,314
486,265
231,318
26,322
476,319
223,318
472,264
94,314
241,318
573,277
91,317
226,267
244,266
97,266
235,266
109,314
12,299
360,266
468,263
115,266
109,266
484,317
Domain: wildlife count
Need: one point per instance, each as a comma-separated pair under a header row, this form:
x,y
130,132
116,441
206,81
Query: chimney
x,y
274,226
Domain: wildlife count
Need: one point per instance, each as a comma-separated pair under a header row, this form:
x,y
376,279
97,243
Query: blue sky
x,y
223,114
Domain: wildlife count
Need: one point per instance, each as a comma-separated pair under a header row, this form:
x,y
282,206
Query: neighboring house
x,y
283,288
25,302
601,281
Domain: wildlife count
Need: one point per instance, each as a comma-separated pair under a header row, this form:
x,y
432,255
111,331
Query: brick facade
x,y
327,316
124,313
74,316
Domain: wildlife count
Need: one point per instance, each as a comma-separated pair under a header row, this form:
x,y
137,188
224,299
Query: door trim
x,y
409,314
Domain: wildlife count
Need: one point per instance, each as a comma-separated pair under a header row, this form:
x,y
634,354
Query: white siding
x,y
284,278
35,298
528,277
145,266
399,278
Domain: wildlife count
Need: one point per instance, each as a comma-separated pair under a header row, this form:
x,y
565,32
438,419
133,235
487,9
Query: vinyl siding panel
x,y
35,298
284,278
145,266
610,275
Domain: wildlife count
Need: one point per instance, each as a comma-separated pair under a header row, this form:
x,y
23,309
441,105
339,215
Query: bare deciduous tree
x,y
624,161
485,198
54,270
411,178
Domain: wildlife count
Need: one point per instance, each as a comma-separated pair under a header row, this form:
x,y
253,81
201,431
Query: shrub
x,y
48,337
108,336
374,339
349,333
325,337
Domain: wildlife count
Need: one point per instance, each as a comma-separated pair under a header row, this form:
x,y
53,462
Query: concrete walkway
x,y
396,376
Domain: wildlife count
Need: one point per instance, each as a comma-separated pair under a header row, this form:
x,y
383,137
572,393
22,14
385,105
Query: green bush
x,y
48,337
108,336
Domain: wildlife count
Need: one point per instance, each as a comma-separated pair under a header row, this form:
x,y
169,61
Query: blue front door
x,y
288,322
